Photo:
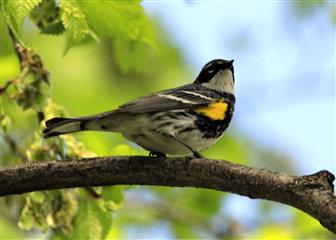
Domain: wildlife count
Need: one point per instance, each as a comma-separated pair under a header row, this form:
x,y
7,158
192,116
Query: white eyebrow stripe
x,y
175,98
198,95
207,65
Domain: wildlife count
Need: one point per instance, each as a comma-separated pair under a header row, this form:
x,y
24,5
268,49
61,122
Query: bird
x,y
179,121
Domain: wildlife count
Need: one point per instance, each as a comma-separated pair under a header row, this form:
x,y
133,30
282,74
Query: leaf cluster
x,y
81,20
70,213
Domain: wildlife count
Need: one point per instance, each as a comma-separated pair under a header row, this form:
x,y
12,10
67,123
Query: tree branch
x,y
312,194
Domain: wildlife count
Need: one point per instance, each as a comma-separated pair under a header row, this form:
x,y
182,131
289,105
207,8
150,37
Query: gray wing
x,y
180,98
186,97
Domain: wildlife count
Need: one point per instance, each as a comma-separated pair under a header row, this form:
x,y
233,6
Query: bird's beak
x,y
231,62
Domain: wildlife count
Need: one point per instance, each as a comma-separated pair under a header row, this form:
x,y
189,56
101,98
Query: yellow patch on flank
x,y
214,111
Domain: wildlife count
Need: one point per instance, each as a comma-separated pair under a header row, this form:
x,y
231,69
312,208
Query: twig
x,y
7,84
17,46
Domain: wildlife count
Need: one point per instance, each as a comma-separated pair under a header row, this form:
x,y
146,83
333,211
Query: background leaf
x,y
16,11
92,221
46,16
113,197
122,20
74,21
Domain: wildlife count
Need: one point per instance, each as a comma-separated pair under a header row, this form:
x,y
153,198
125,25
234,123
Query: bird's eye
x,y
210,69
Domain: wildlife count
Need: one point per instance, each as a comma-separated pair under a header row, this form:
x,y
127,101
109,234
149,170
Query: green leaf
x,y
74,21
113,196
8,229
92,221
58,235
121,19
5,123
234,147
15,12
49,209
37,197
182,230
268,232
32,86
308,227
193,200
131,56
46,17
53,29
26,220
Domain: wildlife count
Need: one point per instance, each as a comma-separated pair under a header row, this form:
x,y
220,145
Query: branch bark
x,y
312,194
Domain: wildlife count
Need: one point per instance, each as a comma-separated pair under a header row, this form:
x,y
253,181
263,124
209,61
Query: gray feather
x,y
156,103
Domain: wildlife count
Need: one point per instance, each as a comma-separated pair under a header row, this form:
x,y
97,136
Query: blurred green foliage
x,y
15,12
134,57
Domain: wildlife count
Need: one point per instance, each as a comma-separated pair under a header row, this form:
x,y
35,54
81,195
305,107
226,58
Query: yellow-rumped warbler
x,y
177,121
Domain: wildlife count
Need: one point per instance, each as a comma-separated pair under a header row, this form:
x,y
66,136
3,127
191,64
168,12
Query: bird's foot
x,y
197,154
157,154
194,156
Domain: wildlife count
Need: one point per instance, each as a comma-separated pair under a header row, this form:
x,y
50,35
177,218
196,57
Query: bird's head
x,y
217,74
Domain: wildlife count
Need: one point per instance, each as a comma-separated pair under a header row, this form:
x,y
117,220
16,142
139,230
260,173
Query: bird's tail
x,y
57,126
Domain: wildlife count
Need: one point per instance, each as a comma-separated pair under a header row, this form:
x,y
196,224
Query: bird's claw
x,y
157,154
197,155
